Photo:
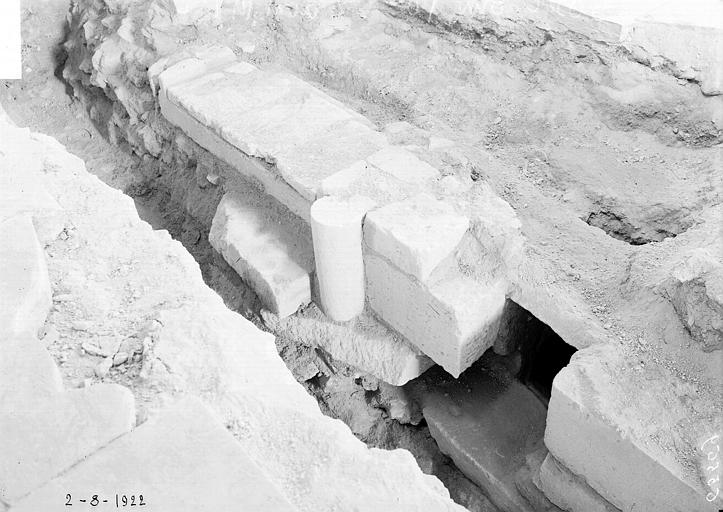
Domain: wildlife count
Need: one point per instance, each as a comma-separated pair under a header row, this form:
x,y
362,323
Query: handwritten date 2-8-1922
x,y
116,500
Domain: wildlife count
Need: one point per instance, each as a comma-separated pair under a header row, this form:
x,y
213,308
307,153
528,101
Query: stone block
x,y
39,440
611,447
304,166
269,248
249,167
239,110
25,295
487,422
415,234
188,69
364,343
453,320
403,165
27,373
363,179
341,183
22,193
569,491
527,481
181,460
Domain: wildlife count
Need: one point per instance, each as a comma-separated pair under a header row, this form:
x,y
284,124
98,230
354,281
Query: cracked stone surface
x,y
184,445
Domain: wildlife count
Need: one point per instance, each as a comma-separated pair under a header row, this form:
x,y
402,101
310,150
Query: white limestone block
x,y
188,69
28,373
247,166
415,234
336,226
269,250
259,112
237,110
611,448
25,294
181,460
453,320
402,164
363,179
341,182
23,193
305,165
568,491
42,439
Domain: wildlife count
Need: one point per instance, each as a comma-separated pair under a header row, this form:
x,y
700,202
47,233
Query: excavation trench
x,y
495,410
391,417
503,395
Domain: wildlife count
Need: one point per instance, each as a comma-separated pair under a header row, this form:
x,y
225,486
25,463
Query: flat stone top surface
x,y
487,422
415,234
278,117
258,111
39,440
181,460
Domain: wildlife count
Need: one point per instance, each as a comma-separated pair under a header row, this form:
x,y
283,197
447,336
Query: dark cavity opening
x,y
536,352
619,227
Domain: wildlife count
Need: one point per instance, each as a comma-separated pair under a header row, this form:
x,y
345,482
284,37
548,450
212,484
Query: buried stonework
x,y
543,188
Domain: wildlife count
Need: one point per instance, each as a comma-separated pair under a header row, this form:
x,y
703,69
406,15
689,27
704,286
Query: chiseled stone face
x,y
270,251
569,491
415,234
28,374
270,115
453,321
592,432
402,164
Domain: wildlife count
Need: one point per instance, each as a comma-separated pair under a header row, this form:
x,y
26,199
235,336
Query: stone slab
x,y
527,481
23,193
304,166
269,250
488,423
181,460
27,373
612,448
25,295
363,342
271,115
249,167
362,179
402,164
453,320
39,440
415,234
568,491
